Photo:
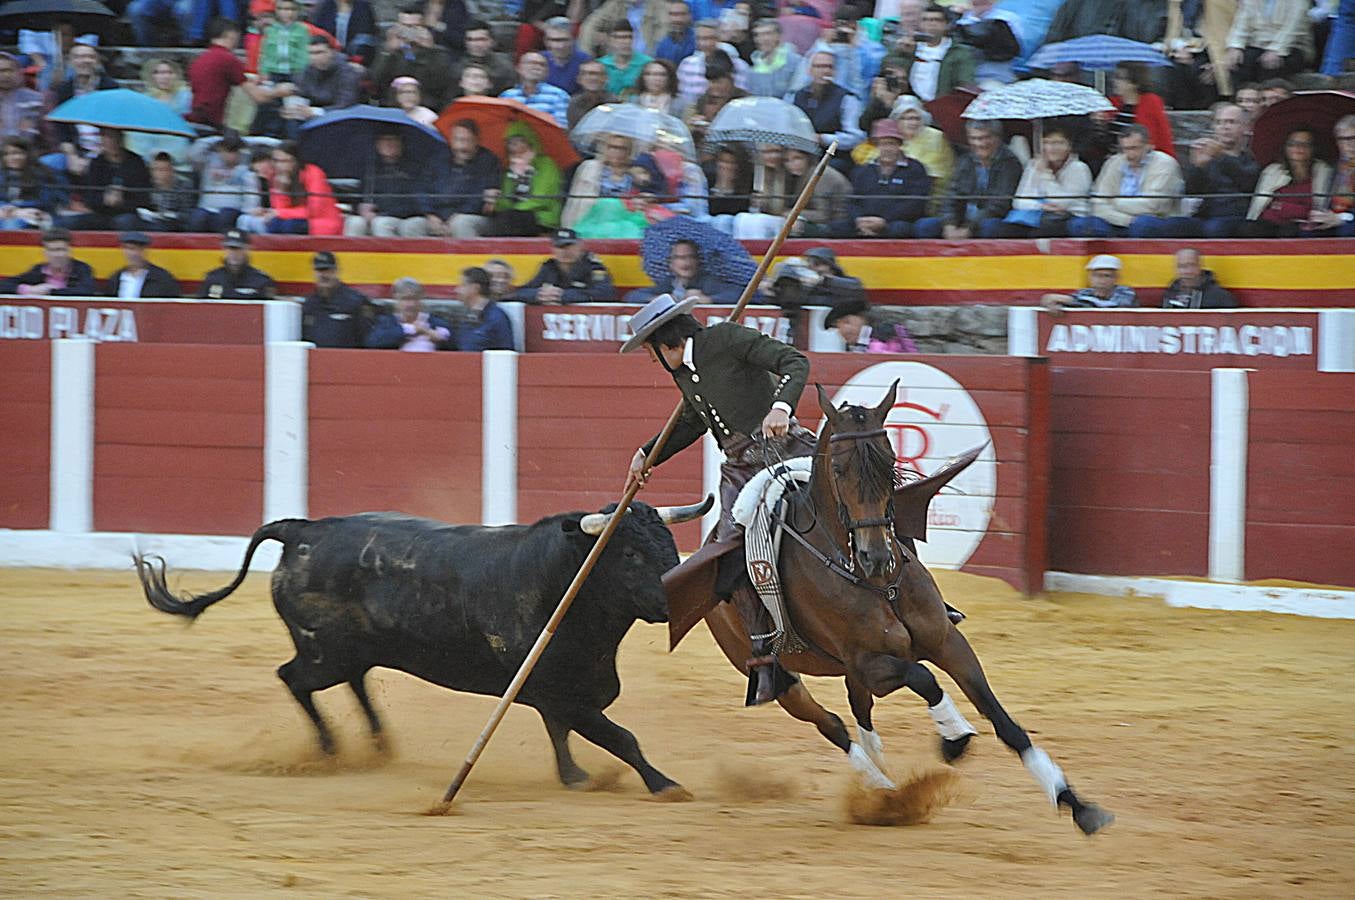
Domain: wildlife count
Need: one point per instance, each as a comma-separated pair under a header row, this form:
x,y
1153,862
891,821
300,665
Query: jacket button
x,y
696,397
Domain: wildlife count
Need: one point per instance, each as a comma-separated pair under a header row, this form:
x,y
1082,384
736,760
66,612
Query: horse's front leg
x,y
863,702
958,660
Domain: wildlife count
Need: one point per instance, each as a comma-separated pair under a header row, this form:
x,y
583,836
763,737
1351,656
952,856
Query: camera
x,y
842,36
893,83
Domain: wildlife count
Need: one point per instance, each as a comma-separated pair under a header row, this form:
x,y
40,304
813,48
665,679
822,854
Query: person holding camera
x,y
856,58
409,49
936,63
995,35
885,91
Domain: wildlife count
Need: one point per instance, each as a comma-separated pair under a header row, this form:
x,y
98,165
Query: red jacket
x,y
1151,113
319,208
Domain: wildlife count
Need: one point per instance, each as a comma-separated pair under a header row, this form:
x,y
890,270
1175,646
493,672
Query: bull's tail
x,y
151,571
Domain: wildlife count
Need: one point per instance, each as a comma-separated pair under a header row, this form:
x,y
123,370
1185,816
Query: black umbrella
x,y
40,15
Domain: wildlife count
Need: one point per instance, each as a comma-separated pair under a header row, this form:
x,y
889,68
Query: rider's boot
x,y
761,631
955,616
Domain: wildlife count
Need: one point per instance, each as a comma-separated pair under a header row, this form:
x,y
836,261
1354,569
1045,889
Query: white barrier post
x,y
286,431
517,317
1228,474
819,339
71,495
1023,331
499,438
1336,340
711,458
281,321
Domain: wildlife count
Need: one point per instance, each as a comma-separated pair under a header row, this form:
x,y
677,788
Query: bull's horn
x,y
593,523
672,515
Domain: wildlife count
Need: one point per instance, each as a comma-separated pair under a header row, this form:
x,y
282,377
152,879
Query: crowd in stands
x,y
863,76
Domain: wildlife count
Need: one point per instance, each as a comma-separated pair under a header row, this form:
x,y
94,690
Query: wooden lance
x,y
525,670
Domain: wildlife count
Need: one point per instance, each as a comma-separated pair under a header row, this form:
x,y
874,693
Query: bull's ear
x,y
826,404
570,526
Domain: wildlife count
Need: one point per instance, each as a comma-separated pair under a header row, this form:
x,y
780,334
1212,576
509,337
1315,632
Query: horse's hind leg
x,y
799,703
959,661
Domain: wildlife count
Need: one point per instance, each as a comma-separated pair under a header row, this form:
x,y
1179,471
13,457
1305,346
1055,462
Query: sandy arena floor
x,y
145,758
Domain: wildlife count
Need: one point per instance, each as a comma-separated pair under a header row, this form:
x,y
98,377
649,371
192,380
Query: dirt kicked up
x,y
142,757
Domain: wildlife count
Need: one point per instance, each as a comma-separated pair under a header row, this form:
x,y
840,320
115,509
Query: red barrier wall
x,y
25,433
178,440
1130,472
126,321
395,431
1301,477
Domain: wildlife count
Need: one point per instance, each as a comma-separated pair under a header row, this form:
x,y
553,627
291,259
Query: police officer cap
x,y
564,237
323,259
235,238
136,238
821,253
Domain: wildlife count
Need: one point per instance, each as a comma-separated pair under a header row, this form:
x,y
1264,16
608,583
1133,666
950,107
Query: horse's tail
x,y
151,571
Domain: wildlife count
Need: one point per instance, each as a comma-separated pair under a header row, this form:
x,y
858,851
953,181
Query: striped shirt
x,y
548,99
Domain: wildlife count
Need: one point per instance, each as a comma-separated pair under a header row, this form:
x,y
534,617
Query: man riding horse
x,y
742,386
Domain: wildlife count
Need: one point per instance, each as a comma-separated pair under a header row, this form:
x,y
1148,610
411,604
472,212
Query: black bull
x,y
460,606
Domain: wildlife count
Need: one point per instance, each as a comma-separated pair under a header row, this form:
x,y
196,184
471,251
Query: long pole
x,y
534,655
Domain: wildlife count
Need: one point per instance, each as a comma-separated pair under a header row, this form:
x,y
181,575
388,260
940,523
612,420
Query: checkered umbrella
x,y
763,120
629,120
720,254
1097,53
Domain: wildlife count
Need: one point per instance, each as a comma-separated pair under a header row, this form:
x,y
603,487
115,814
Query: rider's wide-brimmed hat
x,y
652,315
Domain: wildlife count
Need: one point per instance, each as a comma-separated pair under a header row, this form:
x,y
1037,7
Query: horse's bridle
x,y
852,524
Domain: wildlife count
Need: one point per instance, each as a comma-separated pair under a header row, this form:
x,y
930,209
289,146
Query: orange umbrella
x,y
493,115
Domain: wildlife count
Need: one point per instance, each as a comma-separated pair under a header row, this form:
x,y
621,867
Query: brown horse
x,y
871,611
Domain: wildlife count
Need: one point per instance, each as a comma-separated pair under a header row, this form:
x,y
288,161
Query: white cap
x,y
1104,261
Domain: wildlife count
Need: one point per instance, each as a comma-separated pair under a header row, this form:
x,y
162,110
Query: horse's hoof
x,y
1092,818
953,750
674,793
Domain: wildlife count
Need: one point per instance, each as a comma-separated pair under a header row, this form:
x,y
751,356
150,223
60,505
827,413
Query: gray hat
x,y
137,238
656,312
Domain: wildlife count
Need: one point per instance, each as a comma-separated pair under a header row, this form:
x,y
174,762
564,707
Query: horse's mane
x,y
878,473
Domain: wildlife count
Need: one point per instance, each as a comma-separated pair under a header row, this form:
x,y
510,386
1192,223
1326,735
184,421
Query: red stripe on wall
x,y
26,433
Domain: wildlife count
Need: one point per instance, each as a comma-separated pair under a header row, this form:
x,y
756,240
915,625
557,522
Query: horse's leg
x,y
883,673
799,703
958,660
859,696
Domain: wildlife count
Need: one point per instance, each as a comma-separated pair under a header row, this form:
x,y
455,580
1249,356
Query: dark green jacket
x,y
739,374
957,67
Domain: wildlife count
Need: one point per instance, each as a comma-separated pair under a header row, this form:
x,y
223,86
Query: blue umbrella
x,y
720,254
343,142
1096,53
122,109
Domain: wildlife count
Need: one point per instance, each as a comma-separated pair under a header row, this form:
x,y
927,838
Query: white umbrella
x,y
1036,99
639,123
763,120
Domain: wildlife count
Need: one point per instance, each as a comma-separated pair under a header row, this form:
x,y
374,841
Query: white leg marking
x,y
951,725
871,743
1045,771
869,772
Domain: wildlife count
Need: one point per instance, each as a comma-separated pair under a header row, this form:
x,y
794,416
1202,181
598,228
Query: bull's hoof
x,y
953,750
577,781
673,794
1092,818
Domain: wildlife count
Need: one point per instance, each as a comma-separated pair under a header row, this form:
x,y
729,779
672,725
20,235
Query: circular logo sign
x,y
934,419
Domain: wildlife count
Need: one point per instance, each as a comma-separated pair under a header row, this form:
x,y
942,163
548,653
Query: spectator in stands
x,y
1136,104
886,90
501,277
571,275
1289,191
1273,90
1137,188
78,143
1190,83
407,95
592,91
646,20
563,59
480,50
771,196
921,142
282,52
116,183
529,202
1340,50
236,279
657,88
148,18
446,20
833,111
679,42
775,62
1194,286
483,326
168,205
623,64
163,80
736,29
139,277
1338,219
1248,96
327,84
21,108
353,24
335,315
730,178
995,36
299,198
212,75
1269,38
890,194
691,72
474,82
474,184
830,203
980,192
856,58
409,50
533,90
863,333
1103,290
720,90
686,278
940,64
58,275
228,186
1054,189
395,196
29,191
410,327
611,173
1219,164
